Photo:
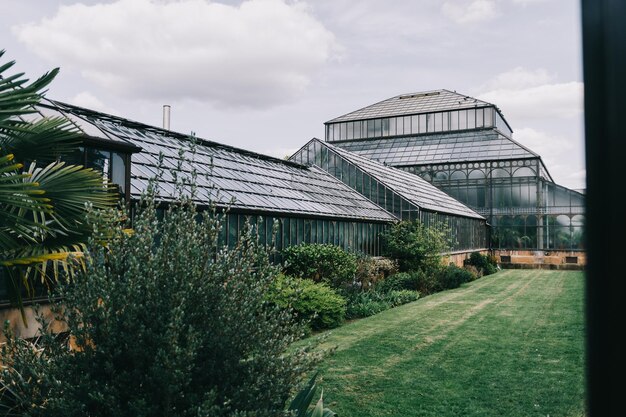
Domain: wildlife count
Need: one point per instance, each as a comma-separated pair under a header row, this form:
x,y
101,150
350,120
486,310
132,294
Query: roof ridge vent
x,y
432,93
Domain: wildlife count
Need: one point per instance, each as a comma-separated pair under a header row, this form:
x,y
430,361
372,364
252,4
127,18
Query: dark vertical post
x,y
604,63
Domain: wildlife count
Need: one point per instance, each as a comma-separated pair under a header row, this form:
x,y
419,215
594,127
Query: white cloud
x,y
568,171
257,54
518,78
560,100
89,101
469,11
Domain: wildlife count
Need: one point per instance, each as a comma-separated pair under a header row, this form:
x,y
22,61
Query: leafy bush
x,y
453,276
416,246
484,263
372,270
321,263
476,273
423,282
368,303
162,326
395,282
315,303
398,298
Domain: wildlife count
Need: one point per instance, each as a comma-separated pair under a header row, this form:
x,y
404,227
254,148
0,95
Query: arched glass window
x,y
524,172
500,173
476,174
458,175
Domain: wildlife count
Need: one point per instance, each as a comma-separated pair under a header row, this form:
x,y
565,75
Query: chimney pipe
x,y
166,116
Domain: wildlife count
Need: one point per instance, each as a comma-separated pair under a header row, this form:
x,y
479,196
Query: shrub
x,y
476,273
416,246
400,297
453,276
423,282
314,303
321,263
162,326
368,303
399,281
484,263
370,271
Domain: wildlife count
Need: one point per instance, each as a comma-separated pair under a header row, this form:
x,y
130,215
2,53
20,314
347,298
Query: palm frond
x,y
43,140
69,187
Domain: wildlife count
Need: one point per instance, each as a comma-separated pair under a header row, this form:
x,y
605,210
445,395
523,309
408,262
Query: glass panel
x,y
499,173
350,130
489,117
335,131
307,231
341,241
389,200
471,119
392,126
300,231
371,128
342,132
385,127
438,122
418,124
98,160
454,120
407,125
476,174
377,127
458,175
479,118
524,172
430,125
118,171
463,119
367,192
233,230
400,125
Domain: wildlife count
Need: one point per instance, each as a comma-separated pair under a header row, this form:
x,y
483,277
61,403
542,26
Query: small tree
x,y
416,246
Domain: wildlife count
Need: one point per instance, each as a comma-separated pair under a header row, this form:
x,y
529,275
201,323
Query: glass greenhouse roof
x,y
225,175
423,102
409,186
440,148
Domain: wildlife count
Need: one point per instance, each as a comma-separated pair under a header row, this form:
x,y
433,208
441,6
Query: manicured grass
x,y
510,344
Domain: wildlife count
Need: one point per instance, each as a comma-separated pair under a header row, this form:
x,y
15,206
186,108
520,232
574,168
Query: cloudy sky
x,y
265,74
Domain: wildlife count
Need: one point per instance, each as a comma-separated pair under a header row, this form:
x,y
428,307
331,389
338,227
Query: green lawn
x,y
510,344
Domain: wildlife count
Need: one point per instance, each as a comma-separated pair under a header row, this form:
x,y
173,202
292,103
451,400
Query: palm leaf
x,y
43,140
43,211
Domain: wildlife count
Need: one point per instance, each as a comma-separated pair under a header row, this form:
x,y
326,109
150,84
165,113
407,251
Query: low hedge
x,y
314,302
321,263
368,303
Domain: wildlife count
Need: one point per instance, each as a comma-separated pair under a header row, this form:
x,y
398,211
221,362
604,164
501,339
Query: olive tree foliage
x,y
163,322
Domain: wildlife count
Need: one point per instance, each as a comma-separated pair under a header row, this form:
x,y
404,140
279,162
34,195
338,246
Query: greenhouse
x,y
287,203
405,196
464,146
